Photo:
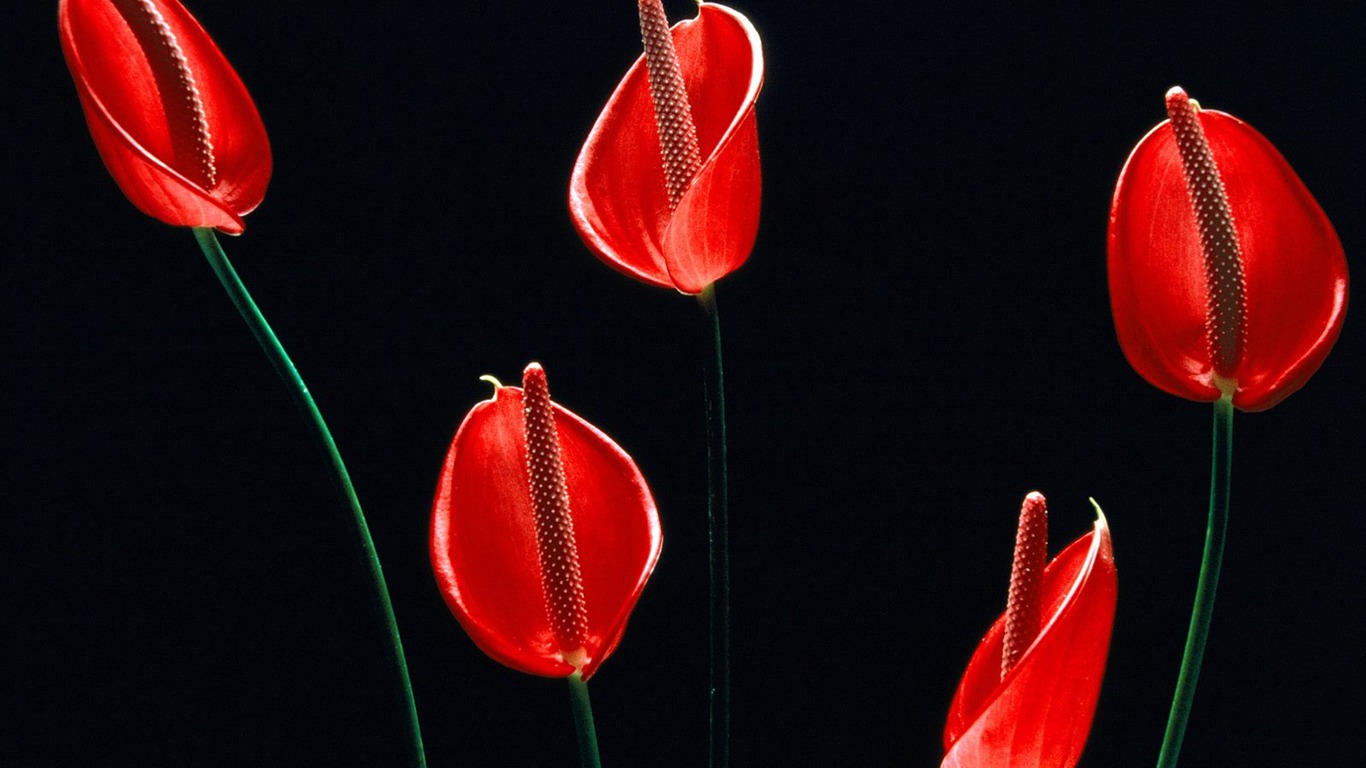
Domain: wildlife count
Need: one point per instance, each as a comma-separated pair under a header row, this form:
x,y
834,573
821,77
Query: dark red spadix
x,y
1035,711
1225,275
543,533
169,116
666,187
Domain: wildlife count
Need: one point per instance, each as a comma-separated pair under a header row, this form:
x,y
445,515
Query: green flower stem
x,y
1210,564
208,241
583,722
718,535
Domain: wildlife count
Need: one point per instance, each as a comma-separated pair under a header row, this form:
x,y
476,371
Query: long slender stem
x,y
718,535
583,722
241,299
1210,564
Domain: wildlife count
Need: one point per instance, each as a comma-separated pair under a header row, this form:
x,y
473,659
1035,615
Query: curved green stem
x,y
1210,564
718,535
583,722
208,241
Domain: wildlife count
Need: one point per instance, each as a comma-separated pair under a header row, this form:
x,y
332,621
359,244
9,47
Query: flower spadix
x,y
1029,693
169,116
666,187
1225,274
543,533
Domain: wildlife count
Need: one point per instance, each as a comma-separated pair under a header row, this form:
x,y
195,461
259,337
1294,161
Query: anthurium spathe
x,y
1029,693
1225,274
543,533
683,211
171,119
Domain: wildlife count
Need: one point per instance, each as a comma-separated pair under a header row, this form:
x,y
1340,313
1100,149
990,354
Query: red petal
x,y
617,196
1040,714
1293,264
123,108
483,538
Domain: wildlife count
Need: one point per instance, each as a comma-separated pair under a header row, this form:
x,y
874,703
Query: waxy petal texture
x,y
484,538
1039,715
617,194
1294,269
171,119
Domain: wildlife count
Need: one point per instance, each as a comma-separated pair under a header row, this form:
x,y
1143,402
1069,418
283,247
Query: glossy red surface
x,y
484,539
1294,268
617,194
1040,714
137,64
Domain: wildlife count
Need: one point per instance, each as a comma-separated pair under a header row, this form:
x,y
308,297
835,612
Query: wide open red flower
x,y
618,194
543,533
170,117
1039,714
1224,271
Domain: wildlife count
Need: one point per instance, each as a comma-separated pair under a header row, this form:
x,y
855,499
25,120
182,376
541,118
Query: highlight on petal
x,y
484,537
1040,714
617,194
1294,268
172,121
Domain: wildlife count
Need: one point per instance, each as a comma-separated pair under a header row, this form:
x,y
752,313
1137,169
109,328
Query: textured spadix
x,y
619,193
1039,714
169,116
1247,294
533,558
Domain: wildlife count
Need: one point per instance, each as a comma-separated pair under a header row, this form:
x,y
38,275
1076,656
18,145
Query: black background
x,y
921,336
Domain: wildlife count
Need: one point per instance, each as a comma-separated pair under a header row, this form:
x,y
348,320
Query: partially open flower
x,y
666,187
169,116
1029,693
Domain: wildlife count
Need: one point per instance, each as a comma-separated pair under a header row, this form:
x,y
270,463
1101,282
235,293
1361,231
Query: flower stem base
x,y
583,722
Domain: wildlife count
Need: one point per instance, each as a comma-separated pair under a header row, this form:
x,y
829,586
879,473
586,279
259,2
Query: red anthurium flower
x,y
170,117
1030,690
543,533
683,211
1225,275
